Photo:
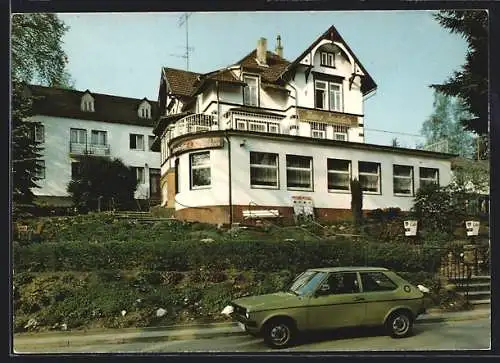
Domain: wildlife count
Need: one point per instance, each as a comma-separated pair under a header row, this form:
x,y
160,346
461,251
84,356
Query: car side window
x,y
343,283
376,281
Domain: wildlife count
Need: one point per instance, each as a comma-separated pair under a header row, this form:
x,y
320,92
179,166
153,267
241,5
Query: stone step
x,y
476,295
481,302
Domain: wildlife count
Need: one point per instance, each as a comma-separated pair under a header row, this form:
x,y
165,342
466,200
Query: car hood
x,y
276,300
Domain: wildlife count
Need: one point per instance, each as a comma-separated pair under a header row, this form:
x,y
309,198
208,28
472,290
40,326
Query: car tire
x,y
399,324
279,333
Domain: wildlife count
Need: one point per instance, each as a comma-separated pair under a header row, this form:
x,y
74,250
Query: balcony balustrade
x,y
76,148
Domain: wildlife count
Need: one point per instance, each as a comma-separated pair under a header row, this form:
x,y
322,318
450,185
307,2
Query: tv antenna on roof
x,y
183,20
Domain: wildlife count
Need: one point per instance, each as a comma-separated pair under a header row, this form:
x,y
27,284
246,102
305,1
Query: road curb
x,y
186,332
113,339
440,319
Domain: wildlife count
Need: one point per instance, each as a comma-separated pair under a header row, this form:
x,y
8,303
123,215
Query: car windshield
x,y
306,282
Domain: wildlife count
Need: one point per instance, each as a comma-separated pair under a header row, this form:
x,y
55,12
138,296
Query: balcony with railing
x,y
76,148
195,123
253,121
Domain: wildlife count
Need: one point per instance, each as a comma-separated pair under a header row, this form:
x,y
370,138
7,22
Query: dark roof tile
x,y
181,82
60,102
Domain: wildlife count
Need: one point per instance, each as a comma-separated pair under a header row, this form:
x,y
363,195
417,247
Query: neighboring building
x,y
75,123
267,137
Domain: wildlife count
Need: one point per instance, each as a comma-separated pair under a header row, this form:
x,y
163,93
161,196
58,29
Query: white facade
x,y
244,194
311,107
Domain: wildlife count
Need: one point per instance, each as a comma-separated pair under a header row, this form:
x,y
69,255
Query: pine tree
x,y
356,202
470,83
25,151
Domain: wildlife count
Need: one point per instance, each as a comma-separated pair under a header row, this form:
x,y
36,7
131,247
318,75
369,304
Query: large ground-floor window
x,y
264,170
369,176
299,172
402,179
339,175
199,166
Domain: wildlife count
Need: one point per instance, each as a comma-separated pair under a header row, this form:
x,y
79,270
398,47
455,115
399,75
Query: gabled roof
x,y
61,102
187,84
182,83
270,73
368,84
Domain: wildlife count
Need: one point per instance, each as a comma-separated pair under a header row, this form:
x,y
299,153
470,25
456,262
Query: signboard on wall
x,y
303,205
327,116
472,228
197,144
411,228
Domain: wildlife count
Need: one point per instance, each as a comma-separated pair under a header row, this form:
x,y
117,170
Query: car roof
x,y
348,268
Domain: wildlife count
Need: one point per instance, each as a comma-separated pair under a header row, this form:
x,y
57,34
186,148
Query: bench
x,y
261,213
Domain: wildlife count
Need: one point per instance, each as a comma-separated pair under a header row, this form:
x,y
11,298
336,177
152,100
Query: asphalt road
x,y
458,335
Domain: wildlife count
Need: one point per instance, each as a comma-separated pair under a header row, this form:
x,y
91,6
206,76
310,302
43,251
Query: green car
x,y
329,298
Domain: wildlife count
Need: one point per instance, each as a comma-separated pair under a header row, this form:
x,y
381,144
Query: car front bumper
x,y
247,325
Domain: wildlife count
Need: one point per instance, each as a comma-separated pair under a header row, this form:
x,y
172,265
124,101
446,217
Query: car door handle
x,y
358,298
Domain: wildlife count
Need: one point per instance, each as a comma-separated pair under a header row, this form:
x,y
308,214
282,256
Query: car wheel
x,y
399,324
278,333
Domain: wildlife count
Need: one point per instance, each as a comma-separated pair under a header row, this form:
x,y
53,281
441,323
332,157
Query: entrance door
x,y
154,184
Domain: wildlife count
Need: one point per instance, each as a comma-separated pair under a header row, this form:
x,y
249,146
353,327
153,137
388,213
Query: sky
x,y
404,52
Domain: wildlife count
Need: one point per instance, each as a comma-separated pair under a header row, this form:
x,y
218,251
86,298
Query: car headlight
x,y
247,314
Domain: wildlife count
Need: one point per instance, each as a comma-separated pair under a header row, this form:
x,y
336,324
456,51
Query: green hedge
x,y
263,256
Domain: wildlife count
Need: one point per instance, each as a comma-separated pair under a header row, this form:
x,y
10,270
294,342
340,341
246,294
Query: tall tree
x,y
36,50
36,57
444,131
470,83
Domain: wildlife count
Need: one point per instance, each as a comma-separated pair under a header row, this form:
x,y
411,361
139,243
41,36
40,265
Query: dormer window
x,y
144,110
251,91
328,59
87,103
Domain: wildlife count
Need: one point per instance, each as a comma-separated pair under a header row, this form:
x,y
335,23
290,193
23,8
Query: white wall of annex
x,y
57,157
322,198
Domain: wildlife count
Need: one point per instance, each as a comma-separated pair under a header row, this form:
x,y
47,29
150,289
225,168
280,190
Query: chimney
x,y
262,51
279,48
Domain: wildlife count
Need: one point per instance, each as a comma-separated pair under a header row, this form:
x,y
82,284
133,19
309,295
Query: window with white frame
x,y
328,95
78,136
335,97
318,130
39,133
321,91
136,142
264,170
402,176
429,176
369,176
87,103
40,169
340,132
257,126
274,128
251,91
339,174
241,124
98,137
139,173
151,140
328,59
299,172
199,164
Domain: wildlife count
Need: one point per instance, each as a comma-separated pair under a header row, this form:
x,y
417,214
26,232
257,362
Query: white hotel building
x,y
270,137
75,123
